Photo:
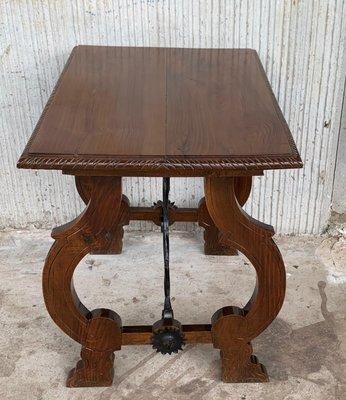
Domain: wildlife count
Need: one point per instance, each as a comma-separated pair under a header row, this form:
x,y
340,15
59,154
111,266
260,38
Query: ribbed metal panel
x,y
300,42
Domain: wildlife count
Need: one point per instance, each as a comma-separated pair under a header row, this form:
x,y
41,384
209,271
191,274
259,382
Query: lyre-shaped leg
x,y
214,244
234,328
99,331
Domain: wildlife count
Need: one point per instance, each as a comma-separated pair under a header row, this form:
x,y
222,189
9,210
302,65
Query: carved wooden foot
x,y
99,331
238,363
233,328
214,243
103,337
94,369
246,368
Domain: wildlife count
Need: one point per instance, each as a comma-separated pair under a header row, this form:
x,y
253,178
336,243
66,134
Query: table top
x,y
161,111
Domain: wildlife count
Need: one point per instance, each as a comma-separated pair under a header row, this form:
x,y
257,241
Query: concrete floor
x,y
304,350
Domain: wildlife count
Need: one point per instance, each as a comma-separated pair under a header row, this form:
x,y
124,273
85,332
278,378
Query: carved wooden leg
x,y
233,328
99,331
214,244
84,187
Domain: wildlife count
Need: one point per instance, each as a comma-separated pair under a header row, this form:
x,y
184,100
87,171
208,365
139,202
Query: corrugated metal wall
x,y
300,42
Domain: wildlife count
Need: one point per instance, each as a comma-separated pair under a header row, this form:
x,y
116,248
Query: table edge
x,y
158,164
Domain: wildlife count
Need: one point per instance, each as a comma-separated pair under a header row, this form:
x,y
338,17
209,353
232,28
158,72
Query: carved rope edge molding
x,y
258,163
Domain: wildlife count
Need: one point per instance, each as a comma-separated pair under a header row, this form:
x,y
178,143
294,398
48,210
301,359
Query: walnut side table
x,y
157,112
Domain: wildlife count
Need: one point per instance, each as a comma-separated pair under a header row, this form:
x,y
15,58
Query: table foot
x,y
233,328
94,369
238,362
103,337
240,366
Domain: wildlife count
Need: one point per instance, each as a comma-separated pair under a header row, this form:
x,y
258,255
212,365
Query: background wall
x,y
300,42
339,190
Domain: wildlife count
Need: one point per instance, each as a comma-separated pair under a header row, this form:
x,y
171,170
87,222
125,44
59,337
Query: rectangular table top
x,y
161,111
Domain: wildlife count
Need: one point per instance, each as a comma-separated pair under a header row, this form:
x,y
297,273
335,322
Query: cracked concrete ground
x,y
304,350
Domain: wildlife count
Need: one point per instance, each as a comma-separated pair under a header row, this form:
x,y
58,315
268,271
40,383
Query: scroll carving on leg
x,y
99,331
84,187
214,244
233,328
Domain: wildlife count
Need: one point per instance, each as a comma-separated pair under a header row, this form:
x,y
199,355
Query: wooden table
x,y
169,113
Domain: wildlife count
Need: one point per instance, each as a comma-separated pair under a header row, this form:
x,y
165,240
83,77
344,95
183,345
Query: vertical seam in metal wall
x,y
338,142
313,43
316,149
320,192
342,50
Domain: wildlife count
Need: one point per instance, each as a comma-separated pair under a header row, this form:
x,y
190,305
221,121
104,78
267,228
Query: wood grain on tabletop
x,y
147,103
